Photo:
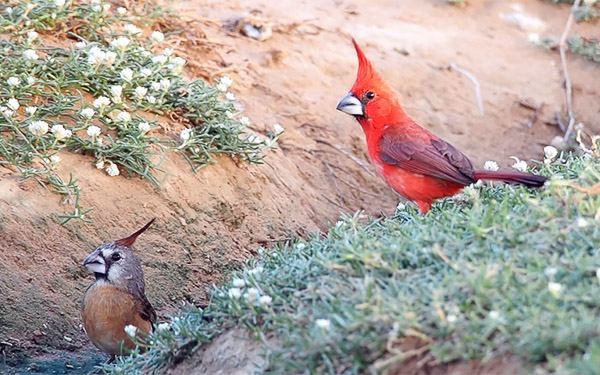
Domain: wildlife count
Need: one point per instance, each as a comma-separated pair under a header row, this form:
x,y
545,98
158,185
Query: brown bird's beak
x,y
95,263
351,105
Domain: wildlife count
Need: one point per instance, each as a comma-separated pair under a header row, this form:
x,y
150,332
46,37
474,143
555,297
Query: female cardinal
x,y
117,298
414,162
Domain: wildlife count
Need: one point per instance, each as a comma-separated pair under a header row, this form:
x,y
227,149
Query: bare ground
x,y
210,222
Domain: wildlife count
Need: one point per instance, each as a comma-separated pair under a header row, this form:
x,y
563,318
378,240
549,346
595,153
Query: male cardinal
x,y
414,162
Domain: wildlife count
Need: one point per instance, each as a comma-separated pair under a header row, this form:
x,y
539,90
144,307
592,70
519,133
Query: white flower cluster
x,y
550,153
97,56
251,295
519,165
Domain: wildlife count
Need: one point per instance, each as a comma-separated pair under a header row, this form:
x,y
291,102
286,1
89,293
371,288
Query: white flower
x,y
9,10
140,92
226,81
88,113
163,326
234,293
110,57
555,289
278,129
130,330
132,29
59,3
155,86
121,43
179,61
300,246
157,37
60,132
590,2
245,121
101,102
7,112
116,91
160,59
151,99
238,283
31,35
256,271
339,224
519,165
222,87
127,74
146,72
13,104
534,37
96,56
598,273
144,127
230,96
122,11
38,128
265,300
30,110
124,116
100,164
168,51
30,54
80,45
112,170
582,222
13,81
165,84
490,165
494,315
253,139
185,134
550,271
30,80
55,159
550,152
451,318
400,207
323,323
93,131
252,294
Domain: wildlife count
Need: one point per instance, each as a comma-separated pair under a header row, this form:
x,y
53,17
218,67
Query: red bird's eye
x,y
370,95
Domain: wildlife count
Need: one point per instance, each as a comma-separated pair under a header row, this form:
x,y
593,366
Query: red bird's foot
x,y
424,207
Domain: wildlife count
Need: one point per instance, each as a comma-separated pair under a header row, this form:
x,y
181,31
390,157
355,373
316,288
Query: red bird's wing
x,y
433,157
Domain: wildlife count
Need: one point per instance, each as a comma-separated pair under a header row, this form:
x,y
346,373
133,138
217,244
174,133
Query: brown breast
x,y
105,312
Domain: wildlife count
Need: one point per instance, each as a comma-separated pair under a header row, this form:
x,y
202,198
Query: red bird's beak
x,y
351,105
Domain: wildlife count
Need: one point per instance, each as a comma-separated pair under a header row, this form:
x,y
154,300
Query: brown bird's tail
x,y
529,180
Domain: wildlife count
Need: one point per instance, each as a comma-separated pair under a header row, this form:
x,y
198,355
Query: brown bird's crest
x,y
128,241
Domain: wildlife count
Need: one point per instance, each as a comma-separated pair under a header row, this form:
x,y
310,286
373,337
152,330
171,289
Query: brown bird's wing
x,y
147,311
433,157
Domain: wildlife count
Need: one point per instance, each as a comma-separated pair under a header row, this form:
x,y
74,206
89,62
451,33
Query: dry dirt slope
x,y
210,222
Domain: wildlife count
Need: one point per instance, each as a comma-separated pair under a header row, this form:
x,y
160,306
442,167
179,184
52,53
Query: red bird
x,y
413,161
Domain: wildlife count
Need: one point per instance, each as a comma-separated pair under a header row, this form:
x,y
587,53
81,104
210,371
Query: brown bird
x,y
117,298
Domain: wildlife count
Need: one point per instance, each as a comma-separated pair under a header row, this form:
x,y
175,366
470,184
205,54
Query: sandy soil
x,y
211,222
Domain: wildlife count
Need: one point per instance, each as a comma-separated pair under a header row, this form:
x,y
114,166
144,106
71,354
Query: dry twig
x,y
475,82
354,159
563,59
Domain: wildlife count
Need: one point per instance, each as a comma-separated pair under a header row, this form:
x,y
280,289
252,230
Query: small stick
x,y
534,116
563,59
355,159
334,178
475,82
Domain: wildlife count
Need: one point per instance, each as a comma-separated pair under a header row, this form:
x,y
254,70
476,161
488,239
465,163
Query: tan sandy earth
x,y
210,222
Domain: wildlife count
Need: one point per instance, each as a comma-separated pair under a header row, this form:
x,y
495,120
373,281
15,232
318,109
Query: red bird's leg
x,y
424,207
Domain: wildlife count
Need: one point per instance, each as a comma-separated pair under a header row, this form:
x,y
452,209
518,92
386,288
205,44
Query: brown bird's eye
x,y
370,95
116,257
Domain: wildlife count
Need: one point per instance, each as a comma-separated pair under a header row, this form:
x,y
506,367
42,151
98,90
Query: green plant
x,y
102,93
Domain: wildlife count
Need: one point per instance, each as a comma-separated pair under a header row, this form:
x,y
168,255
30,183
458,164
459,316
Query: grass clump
x,y
81,76
588,48
501,271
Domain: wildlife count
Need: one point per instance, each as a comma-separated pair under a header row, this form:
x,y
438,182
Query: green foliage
x,y
102,95
588,48
500,270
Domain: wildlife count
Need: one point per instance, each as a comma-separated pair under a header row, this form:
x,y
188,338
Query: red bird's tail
x,y
529,180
